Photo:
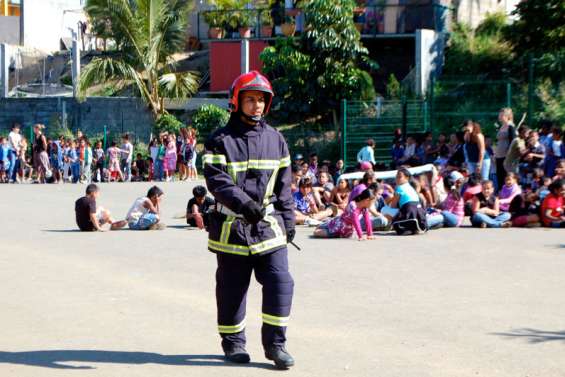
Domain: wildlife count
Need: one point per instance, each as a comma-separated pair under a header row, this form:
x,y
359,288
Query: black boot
x,y
280,356
237,354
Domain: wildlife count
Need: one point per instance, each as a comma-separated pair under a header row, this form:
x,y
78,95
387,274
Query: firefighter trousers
x,y
232,282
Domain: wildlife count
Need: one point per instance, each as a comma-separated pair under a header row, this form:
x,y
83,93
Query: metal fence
x,y
378,120
449,102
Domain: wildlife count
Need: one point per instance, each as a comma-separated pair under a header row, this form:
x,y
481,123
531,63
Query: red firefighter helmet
x,y
251,81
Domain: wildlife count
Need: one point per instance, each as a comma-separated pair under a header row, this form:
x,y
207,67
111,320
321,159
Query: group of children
x,y
144,213
524,186
77,159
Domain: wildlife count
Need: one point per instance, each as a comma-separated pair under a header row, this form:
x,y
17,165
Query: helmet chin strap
x,y
256,118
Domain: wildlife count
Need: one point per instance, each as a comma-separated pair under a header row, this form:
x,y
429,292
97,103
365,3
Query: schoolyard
x,y
453,302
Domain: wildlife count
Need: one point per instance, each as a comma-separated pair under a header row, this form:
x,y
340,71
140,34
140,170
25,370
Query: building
x,y
39,24
406,37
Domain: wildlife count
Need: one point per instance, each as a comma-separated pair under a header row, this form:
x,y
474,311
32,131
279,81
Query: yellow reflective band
x,y
285,162
231,329
228,248
211,159
275,321
226,230
268,245
274,225
255,164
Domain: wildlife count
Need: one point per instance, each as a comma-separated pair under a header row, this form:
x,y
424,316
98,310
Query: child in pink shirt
x,y
348,222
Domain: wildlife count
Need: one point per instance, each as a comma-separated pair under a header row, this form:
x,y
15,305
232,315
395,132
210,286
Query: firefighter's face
x,y
253,103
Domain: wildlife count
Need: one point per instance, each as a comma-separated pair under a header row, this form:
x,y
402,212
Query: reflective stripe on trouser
x,y
232,281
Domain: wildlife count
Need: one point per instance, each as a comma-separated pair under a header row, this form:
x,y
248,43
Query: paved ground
x,y
451,303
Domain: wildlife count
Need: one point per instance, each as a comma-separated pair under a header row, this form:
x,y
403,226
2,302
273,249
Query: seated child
x,y
552,208
524,209
141,166
144,213
323,189
306,210
197,207
486,209
340,194
88,217
472,188
407,202
508,191
452,208
342,226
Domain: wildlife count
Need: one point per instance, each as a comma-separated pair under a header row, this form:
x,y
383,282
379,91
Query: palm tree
x,y
146,34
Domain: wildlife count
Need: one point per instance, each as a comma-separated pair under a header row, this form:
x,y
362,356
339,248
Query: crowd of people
x,y
518,181
78,159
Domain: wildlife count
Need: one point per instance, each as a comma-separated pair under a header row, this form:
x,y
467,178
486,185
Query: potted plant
x,y
215,20
289,26
266,24
244,23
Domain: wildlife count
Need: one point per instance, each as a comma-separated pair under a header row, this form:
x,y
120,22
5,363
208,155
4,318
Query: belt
x,y
228,212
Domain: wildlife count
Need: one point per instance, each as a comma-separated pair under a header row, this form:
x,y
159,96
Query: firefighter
x,y
247,170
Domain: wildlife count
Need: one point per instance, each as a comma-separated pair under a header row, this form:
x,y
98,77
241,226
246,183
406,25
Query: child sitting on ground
x,y
197,208
524,210
88,217
508,191
409,215
552,208
343,225
306,210
340,194
486,209
145,211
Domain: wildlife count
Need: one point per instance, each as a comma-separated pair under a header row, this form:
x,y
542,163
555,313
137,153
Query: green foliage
x,y
167,123
539,27
141,148
215,18
56,128
481,52
327,64
146,33
392,87
208,118
553,100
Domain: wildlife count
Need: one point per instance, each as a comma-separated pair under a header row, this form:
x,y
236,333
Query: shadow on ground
x,y
535,336
57,358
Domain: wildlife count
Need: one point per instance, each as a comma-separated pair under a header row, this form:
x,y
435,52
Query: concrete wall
x,y
430,46
10,30
45,22
118,114
472,12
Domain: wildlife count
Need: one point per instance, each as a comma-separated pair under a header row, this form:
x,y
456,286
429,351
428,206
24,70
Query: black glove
x,y
290,233
252,212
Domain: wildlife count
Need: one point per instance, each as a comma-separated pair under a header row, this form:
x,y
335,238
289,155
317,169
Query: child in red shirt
x,y
552,212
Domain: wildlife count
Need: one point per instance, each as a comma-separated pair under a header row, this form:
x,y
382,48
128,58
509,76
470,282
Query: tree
x,y
147,33
328,63
540,26
483,51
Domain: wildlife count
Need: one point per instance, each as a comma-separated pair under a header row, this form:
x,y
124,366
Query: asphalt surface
x,y
453,302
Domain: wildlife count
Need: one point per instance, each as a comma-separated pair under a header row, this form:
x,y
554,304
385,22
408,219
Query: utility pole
x,y
244,55
4,72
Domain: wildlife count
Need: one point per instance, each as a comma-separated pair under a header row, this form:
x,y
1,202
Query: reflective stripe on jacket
x,y
243,163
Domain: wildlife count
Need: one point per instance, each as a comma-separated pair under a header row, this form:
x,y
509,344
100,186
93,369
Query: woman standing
x,y
506,133
170,160
476,156
191,154
40,157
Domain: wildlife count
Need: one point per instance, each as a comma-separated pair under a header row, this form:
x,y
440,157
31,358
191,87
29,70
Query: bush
x,y
141,148
209,117
167,123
